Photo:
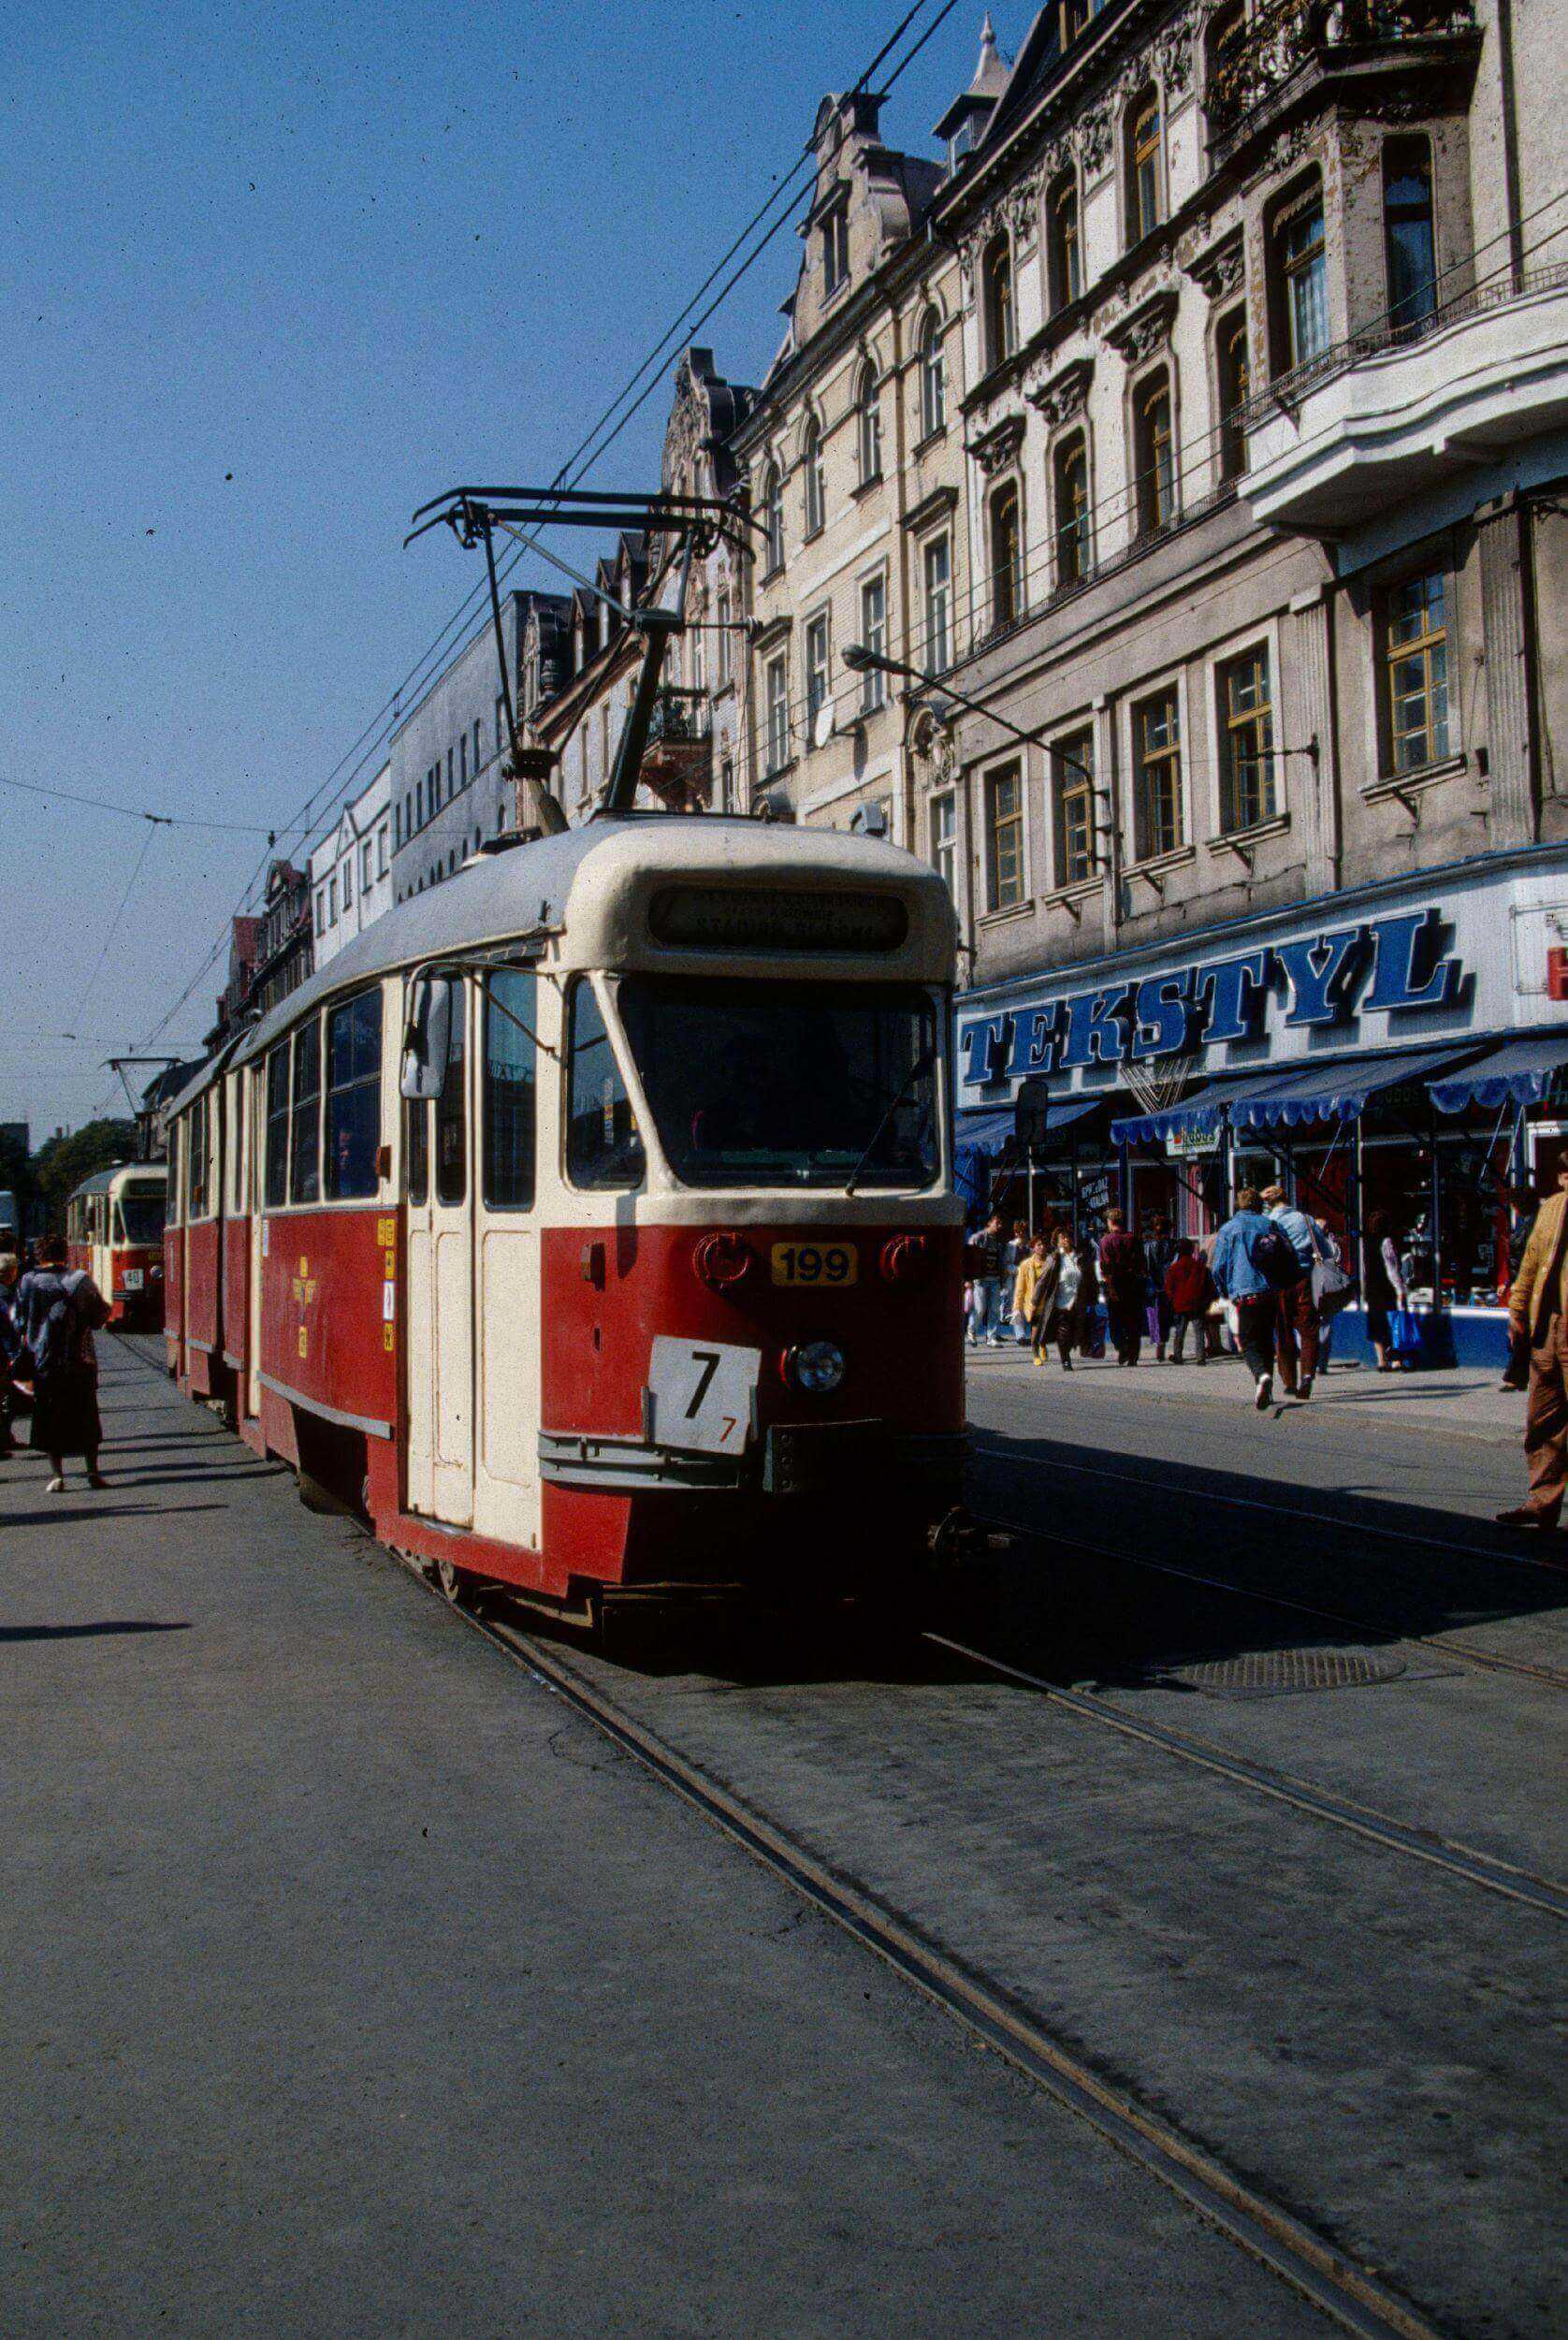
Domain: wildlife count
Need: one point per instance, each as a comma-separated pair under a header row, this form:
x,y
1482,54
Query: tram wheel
x,y
459,1587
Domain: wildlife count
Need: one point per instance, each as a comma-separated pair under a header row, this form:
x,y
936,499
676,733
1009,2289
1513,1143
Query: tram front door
x,y
439,1277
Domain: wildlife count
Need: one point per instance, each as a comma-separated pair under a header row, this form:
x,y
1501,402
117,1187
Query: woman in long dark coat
x,y
58,1311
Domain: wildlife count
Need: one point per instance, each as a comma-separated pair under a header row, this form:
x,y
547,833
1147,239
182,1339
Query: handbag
x,y
1404,1328
1331,1288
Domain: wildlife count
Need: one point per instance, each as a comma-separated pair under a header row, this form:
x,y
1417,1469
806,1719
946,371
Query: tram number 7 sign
x,y
702,1394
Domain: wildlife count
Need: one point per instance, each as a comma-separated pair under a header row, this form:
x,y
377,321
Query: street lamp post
x,y
860,660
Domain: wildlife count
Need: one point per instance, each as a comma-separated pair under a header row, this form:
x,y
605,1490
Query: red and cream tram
x,y
114,1229
589,1221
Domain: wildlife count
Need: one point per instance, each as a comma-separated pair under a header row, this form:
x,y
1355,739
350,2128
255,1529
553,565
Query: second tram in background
x,y
589,1224
114,1229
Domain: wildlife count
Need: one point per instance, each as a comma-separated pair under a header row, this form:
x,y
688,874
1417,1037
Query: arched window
x,y
933,378
1144,165
1298,277
997,302
1007,558
1063,248
1153,453
868,404
1234,375
1071,474
816,480
773,516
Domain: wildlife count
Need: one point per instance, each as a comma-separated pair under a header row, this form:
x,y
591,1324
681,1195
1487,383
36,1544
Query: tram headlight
x,y
817,1367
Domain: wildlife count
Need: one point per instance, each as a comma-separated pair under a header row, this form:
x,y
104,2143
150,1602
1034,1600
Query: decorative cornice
x,y
1064,395
1144,328
935,506
1217,268
995,448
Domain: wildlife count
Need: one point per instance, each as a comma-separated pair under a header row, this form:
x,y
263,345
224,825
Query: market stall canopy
x,y
1518,1073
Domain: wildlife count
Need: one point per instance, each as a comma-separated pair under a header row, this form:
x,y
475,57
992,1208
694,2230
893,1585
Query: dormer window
x,y
835,248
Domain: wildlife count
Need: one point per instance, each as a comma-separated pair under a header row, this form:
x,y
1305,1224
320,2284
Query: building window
x,y
1223,46
1004,837
1007,558
1246,742
500,724
380,851
331,901
835,248
700,658
816,672
1064,253
1070,467
419,805
727,785
938,606
725,646
873,637
1407,230
933,378
1415,645
1072,788
1157,732
321,911
1143,167
778,697
1230,359
473,768
869,428
367,869
816,481
1154,453
462,761
773,519
1301,284
944,840
997,303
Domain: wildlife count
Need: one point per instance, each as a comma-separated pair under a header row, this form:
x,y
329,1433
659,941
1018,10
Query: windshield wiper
x,y
917,1072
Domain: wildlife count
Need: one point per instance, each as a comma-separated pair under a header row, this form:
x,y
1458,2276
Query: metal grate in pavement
x,y
1283,1672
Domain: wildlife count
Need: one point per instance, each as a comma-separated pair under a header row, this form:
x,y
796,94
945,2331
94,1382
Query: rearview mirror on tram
x,y
1031,1112
428,1039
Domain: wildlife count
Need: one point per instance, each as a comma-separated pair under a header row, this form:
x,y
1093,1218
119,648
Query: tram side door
x,y
508,1492
256,1146
439,1348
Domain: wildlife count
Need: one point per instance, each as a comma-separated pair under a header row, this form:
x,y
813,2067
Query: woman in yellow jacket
x,y
1033,1290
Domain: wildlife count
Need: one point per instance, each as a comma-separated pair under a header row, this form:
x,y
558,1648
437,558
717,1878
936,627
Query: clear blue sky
x,y
273,275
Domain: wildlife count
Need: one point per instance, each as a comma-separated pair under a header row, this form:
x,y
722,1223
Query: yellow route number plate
x,y
835,1264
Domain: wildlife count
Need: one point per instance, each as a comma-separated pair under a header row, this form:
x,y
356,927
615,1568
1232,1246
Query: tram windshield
x,y
142,1214
797,1084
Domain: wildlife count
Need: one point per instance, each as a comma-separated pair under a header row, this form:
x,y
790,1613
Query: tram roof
x,y
500,895
102,1182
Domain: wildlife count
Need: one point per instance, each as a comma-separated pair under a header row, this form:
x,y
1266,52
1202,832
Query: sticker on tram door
x,y
702,1394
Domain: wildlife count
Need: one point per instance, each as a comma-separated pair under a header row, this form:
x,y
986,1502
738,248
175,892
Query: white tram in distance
x,y
114,1229
590,1222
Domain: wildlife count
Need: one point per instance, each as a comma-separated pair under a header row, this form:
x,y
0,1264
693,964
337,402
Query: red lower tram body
x,y
131,1279
821,1484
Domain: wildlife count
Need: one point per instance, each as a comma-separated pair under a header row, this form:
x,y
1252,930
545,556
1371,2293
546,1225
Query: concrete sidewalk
x,y
1466,1403
355,1987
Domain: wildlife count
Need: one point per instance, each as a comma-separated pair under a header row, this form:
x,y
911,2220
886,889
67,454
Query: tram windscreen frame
x,y
142,1210
821,1086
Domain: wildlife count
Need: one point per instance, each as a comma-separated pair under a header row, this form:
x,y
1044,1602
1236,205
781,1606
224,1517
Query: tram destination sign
x,y
1396,967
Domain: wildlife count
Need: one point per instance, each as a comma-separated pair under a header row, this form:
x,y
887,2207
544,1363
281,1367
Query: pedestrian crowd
x,y
49,1369
1271,1276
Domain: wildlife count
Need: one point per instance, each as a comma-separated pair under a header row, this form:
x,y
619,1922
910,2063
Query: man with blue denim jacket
x,y
1243,1283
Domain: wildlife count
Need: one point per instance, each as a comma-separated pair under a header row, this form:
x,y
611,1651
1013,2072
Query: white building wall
x,y
351,870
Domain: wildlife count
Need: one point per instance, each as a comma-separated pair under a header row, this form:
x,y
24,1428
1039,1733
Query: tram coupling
x,y
959,1536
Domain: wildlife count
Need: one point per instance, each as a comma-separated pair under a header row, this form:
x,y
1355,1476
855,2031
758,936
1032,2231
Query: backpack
x,y
1274,1254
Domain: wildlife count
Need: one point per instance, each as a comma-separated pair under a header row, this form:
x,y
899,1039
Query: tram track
x,y
1380,1628
1354,2296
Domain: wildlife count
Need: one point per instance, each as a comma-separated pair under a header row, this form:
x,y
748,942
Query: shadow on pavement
x,y
80,1633
93,1511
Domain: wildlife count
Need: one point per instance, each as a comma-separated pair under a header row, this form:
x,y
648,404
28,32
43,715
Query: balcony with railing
x,y
1402,407
677,764
1291,46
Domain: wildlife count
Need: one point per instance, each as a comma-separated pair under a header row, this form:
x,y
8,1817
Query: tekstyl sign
x,y
1387,965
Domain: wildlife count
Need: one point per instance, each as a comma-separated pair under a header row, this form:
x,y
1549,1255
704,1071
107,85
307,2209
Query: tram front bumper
x,y
863,1459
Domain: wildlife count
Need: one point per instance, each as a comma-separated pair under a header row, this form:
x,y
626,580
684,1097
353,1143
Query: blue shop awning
x,y
1196,1116
1331,1092
990,1128
1518,1072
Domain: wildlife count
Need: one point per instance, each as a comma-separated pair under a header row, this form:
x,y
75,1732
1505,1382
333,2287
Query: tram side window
x,y
511,1090
451,1113
304,1175
353,1097
604,1147
277,1128
198,1160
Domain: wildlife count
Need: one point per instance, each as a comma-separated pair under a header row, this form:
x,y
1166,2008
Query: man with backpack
x,y
1254,1263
